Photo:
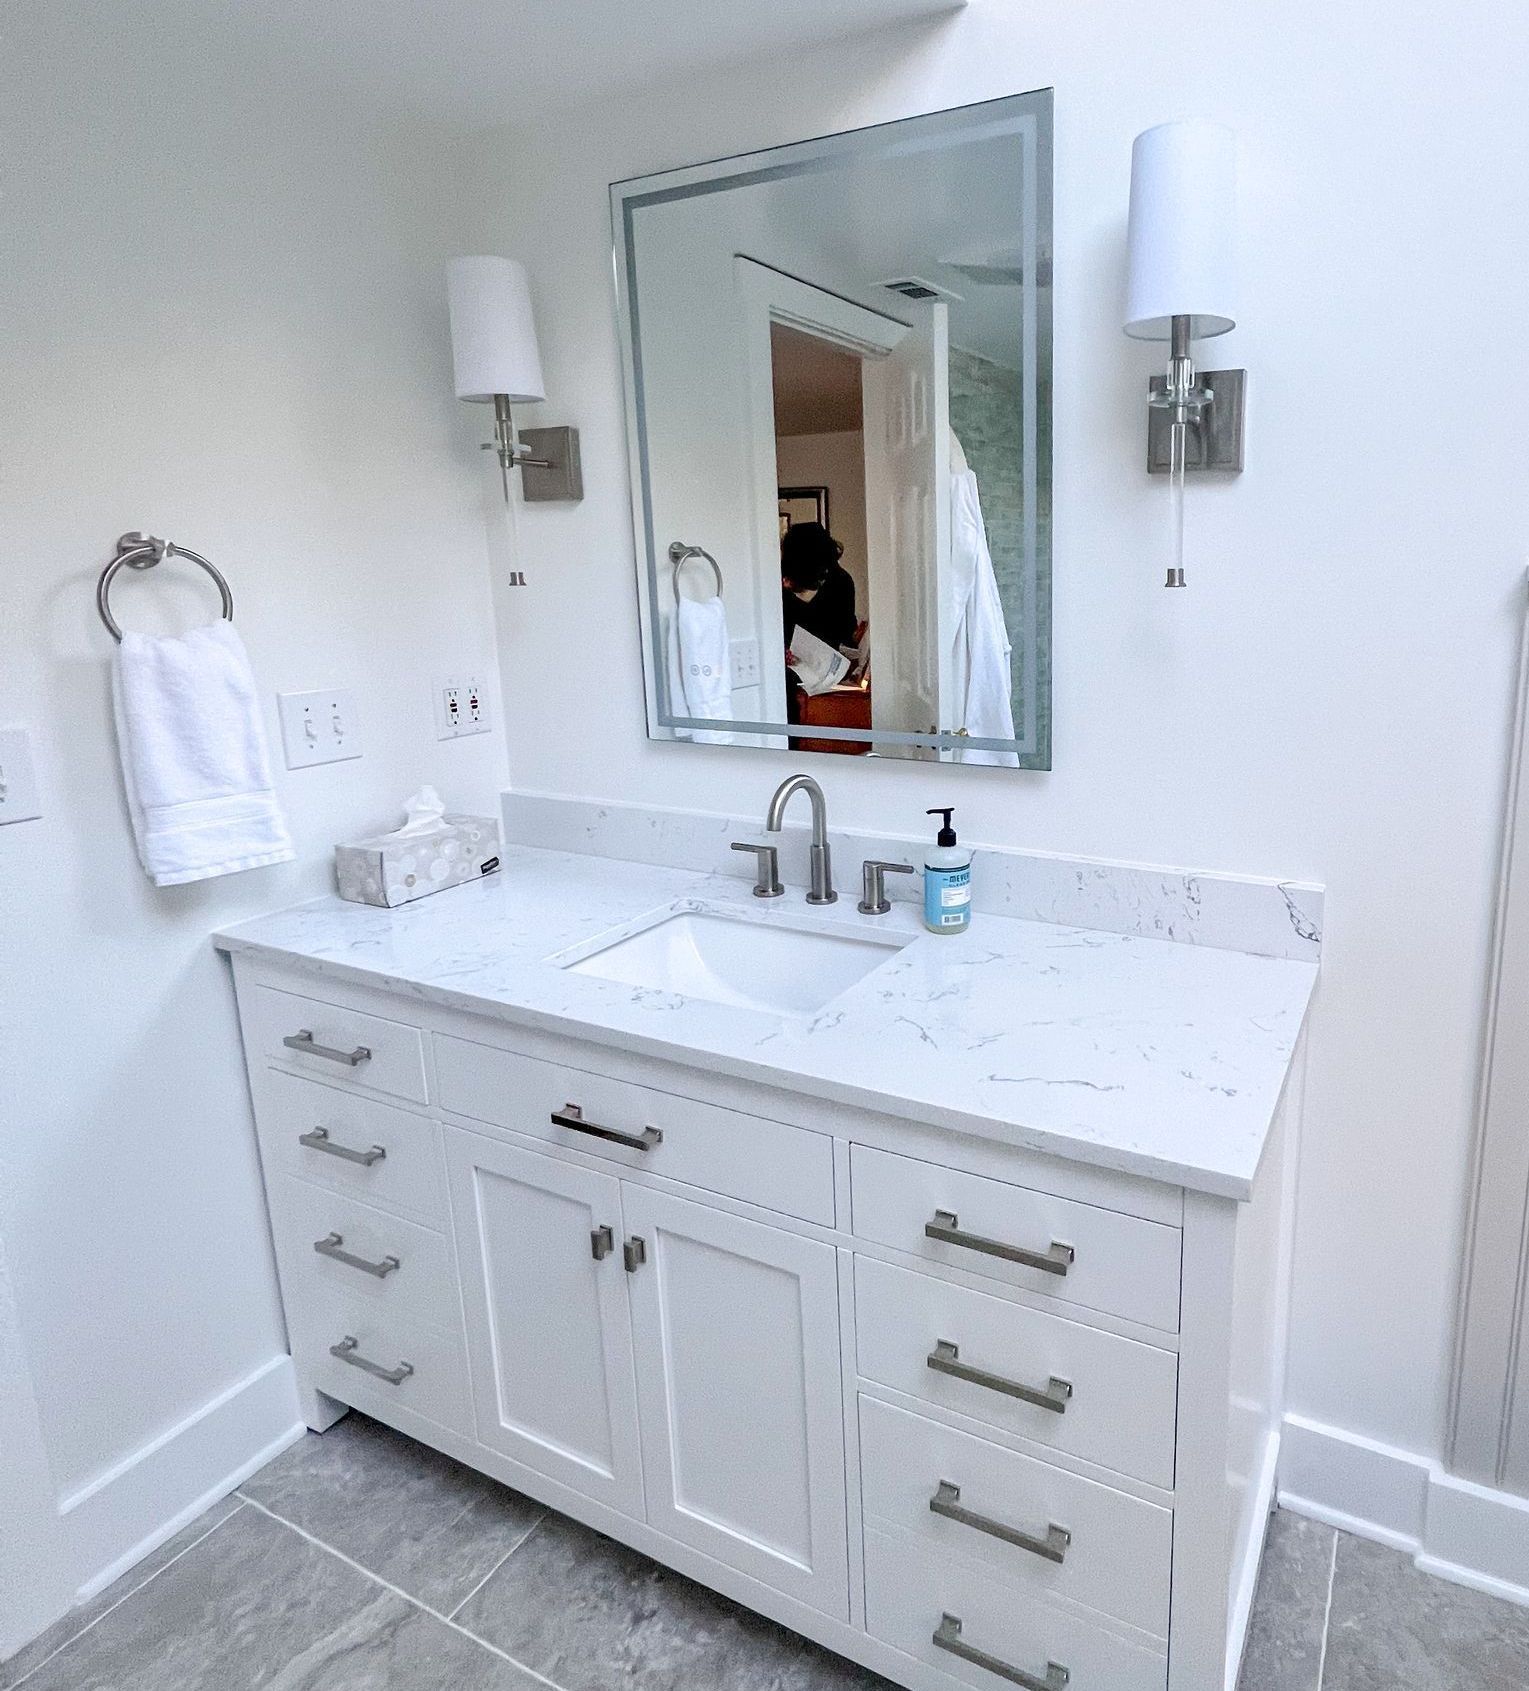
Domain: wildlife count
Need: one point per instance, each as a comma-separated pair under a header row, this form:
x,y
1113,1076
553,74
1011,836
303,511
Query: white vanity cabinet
x,y
968,1414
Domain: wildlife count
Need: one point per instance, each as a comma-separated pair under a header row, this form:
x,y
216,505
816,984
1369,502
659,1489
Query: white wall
x,y
224,321
1329,698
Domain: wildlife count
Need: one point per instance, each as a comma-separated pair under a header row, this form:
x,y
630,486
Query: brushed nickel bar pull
x,y
634,1253
330,1246
1053,1547
602,1241
1057,1260
317,1139
304,1041
347,1351
947,1636
945,1359
571,1116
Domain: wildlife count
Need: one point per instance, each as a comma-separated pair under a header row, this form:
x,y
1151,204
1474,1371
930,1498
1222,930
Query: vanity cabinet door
x,y
737,1335
549,1331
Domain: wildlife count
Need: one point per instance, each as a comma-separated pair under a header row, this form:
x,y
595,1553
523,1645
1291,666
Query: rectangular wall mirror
x,y
838,382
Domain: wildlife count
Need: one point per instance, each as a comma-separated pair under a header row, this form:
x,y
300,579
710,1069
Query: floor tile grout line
x,y
496,1567
1327,1612
414,1602
127,1596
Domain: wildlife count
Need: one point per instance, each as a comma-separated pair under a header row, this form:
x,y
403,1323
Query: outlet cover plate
x,y
461,707
18,778
318,727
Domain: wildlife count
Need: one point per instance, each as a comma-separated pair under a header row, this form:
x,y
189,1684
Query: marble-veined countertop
x,y
1141,1055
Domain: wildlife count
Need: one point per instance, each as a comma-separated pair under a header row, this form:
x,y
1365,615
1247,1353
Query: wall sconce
x,y
495,357
1182,288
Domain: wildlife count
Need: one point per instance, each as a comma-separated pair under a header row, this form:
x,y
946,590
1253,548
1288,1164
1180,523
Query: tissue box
x,y
395,869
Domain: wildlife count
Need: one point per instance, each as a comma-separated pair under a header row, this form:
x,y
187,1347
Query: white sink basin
x,y
725,960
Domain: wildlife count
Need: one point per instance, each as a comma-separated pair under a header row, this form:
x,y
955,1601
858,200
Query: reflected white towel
x,y
700,668
979,662
193,756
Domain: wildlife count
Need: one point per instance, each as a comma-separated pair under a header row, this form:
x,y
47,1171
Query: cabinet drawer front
x,y
1113,1262
763,1162
332,1137
909,1594
335,1044
1120,1411
320,1321
1118,1550
366,1253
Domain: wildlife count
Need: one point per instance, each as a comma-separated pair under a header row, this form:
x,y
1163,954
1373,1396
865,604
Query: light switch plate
x,y
744,662
318,727
18,778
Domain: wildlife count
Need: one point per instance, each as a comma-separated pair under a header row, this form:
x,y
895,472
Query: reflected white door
x,y
907,507
737,1330
549,1332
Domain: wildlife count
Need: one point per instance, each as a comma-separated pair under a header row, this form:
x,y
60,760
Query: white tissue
x,y
422,813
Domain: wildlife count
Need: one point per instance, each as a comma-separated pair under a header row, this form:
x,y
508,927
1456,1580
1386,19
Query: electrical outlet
x,y
18,779
318,727
461,707
743,658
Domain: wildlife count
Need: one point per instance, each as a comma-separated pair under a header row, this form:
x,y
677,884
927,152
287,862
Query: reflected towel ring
x,y
142,552
680,554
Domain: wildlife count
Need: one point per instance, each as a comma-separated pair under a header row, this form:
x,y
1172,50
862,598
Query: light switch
x,y
18,779
318,727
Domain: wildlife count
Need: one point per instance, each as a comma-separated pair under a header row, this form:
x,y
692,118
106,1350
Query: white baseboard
x,y
127,1512
1470,1534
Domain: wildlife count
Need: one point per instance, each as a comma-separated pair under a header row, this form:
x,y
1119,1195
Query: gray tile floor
x,y
360,1561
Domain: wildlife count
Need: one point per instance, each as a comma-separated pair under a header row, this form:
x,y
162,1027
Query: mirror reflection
x,y
838,400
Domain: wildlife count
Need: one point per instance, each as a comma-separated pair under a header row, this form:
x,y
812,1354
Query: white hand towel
x,y
700,668
193,756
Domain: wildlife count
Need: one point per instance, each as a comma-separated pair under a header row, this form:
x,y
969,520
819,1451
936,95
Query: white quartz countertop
x,y
1142,1055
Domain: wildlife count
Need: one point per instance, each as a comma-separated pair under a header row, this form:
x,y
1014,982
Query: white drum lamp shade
x,y
493,335
1183,231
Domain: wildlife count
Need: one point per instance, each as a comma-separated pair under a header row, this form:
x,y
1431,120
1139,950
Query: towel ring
x,y
680,554
142,552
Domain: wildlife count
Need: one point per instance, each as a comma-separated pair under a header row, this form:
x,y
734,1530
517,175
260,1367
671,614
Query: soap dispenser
x,y
947,881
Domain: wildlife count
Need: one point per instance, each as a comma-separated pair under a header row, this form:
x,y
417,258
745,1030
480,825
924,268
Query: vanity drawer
x,y
435,1384
420,1284
1117,1263
1119,1411
337,1044
1118,1552
764,1162
333,1137
911,1596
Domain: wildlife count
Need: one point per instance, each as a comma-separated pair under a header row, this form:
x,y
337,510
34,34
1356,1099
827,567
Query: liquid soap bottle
x,y
947,881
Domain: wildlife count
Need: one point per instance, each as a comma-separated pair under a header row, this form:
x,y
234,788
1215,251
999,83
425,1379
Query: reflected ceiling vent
x,y
915,287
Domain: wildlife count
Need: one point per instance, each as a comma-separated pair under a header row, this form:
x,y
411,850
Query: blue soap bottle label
x,y
947,898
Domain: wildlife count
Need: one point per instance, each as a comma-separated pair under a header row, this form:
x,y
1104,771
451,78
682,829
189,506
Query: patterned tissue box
x,y
395,869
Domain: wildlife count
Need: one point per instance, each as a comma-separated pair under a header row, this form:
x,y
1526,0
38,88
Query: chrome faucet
x,y
822,891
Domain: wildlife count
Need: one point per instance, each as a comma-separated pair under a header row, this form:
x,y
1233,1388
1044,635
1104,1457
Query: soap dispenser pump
x,y
947,880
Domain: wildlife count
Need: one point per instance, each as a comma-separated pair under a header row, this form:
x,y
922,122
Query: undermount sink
x,y
728,960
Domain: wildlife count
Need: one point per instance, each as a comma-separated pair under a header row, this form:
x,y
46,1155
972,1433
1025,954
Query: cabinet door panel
x,y
549,1334
737,1337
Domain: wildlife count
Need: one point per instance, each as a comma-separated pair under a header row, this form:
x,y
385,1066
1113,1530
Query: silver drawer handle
x,y
945,1359
303,1041
1053,1547
317,1139
1057,1260
329,1246
571,1116
947,1636
346,1351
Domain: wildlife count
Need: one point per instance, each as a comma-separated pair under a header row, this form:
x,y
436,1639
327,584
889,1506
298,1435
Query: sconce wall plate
x,y
559,475
1212,443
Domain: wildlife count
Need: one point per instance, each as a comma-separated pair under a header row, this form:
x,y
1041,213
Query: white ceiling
x,y
474,63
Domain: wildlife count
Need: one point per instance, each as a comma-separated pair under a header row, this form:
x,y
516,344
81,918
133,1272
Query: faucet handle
x,y
767,870
873,893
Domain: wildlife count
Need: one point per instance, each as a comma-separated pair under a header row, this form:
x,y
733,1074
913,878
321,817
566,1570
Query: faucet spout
x,y
822,888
